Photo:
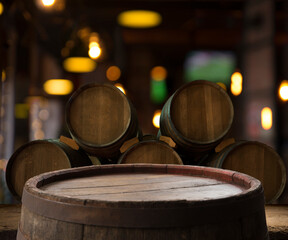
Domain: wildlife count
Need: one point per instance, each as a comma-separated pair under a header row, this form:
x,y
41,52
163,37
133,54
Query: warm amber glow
x,y
222,85
120,87
48,3
158,73
58,86
79,64
1,8
94,50
3,76
94,37
283,90
139,19
266,118
113,73
236,83
156,118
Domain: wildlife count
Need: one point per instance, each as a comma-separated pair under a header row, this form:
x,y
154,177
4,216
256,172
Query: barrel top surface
x,y
98,114
201,111
143,195
142,187
141,183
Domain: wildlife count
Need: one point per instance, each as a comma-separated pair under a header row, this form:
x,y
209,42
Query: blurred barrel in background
x,y
100,118
197,117
257,160
38,157
150,151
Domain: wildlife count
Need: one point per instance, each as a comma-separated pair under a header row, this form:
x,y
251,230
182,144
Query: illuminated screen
x,y
214,66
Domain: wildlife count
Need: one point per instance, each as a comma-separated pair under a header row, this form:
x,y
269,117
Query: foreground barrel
x,y
150,151
38,157
143,201
255,159
197,117
100,118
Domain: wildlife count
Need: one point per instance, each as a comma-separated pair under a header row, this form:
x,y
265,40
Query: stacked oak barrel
x,y
104,129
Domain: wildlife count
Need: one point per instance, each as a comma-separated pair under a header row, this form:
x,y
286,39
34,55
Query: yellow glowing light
x,y
58,86
283,90
156,118
236,83
139,19
3,76
1,8
79,64
120,87
94,37
266,118
94,50
113,73
48,3
222,85
158,73
21,110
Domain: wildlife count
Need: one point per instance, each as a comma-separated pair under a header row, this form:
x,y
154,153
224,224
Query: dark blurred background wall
x,y
196,39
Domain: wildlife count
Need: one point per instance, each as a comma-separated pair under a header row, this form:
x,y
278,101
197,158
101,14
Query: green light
x,y
158,91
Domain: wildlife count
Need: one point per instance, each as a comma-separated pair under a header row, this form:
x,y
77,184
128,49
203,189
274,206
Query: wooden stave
x,y
217,160
110,150
186,146
144,232
75,158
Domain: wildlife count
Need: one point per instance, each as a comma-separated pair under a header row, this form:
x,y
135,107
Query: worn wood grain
x,y
100,118
40,156
255,159
150,151
143,201
197,116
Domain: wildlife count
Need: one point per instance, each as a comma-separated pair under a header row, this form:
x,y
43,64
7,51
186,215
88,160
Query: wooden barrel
x,y
38,157
143,201
255,159
100,118
150,151
197,117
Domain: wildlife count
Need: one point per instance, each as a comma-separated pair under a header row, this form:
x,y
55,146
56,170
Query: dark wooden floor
x,y
276,217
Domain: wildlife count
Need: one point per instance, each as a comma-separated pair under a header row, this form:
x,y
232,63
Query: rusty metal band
x,y
145,217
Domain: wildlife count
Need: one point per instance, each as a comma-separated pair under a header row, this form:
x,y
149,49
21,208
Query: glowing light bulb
x,y
266,118
58,86
158,73
283,90
156,118
48,3
139,19
94,50
236,83
113,73
1,8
